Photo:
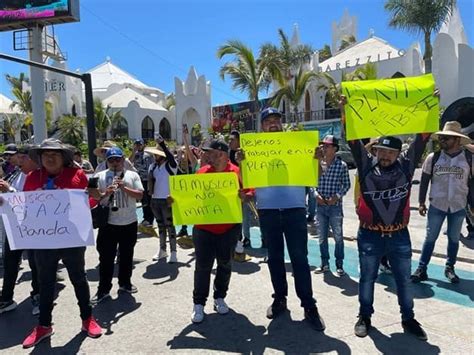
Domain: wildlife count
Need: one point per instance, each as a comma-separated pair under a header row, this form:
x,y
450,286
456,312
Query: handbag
x,y
100,216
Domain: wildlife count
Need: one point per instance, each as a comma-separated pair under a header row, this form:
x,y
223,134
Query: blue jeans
x,y
434,223
288,225
311,203
246,218
331,216
372,246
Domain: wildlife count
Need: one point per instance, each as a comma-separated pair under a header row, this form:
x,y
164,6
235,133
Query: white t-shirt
x,y
127,206
161,186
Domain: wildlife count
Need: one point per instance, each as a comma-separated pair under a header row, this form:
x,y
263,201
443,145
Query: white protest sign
x,y
47,219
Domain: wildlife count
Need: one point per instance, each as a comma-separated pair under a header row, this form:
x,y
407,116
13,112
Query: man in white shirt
x,y
119,189
449,172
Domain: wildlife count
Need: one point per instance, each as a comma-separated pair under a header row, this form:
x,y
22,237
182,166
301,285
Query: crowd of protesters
x,y
384,179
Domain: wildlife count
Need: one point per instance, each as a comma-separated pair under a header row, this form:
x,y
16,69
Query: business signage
x,y
18,14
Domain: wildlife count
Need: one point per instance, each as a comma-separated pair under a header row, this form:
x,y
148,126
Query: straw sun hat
x,y
452,128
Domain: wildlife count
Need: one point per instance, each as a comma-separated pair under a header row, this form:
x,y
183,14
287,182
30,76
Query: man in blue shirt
x,y
333,184
282,214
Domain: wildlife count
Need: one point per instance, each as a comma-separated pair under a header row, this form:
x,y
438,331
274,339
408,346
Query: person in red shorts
x,y
57,171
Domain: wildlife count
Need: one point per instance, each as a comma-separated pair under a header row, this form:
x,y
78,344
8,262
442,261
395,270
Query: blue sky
x,y
157,40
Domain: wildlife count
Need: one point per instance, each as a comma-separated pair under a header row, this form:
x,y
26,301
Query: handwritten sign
x,y
390,107
47,219
206,198
279,159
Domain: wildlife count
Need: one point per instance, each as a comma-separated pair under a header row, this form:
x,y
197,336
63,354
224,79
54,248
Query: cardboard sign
x,y
390,107
279,159
47,219
206,198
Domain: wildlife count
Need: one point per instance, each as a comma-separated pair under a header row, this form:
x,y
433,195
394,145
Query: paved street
x,y
157,318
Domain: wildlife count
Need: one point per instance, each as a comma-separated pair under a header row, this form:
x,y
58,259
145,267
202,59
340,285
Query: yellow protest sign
x,y
279,159
206,198
390,107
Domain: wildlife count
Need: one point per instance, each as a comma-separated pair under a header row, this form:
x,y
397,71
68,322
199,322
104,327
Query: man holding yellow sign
x,y
281,207
213,203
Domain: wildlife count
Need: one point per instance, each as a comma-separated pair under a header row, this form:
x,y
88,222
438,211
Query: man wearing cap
x,y
384,212
449,171
142,160
119,189
9,166
160,170
12,258
215,242
58,172
282,214
333,185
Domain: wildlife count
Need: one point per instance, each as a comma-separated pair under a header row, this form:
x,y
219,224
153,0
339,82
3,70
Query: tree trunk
x,y
256,114
428,52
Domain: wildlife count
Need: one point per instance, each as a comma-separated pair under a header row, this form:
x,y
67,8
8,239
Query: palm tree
x,y
71,129
366,72
420,16
346,41
325,53
294,90
283,60
247,73
11,126
170,102
104,118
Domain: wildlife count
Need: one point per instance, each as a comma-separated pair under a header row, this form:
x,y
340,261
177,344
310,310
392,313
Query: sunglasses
x,y
114,160
445,138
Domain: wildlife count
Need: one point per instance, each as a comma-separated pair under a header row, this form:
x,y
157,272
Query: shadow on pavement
x,y
93,274
348,286
420,290
400,343
162,269
235,333
464,287
111,311
467,242
245,268
71,347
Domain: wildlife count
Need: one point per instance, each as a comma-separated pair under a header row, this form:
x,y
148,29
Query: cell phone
x,y
93,182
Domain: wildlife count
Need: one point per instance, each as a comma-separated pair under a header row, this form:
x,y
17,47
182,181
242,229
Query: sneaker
x,y
39,333
182,233
362,327
198,313
173,258
451,275
278,307
413,327
340,272
313,317
321,269
160,255
385,269
129,289
420,274
35,303
92,328
220,306
99,297
7,306
246,243
59,277
239,247
470,235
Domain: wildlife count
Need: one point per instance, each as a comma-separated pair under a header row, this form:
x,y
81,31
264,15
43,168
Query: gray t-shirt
x,y
127,205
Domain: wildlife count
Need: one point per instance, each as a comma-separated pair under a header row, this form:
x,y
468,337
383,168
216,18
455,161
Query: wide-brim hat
x,y
51,144
155,151
10,149
99,151
452,128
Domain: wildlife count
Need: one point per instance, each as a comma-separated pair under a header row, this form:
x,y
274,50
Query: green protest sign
x,y
390,107
279,159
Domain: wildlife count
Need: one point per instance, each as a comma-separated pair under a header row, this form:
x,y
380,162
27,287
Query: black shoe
x,y
321,269
182,233
451,275
313,317
419,275
362,327
246,243
278,307
99,297
129,289
413,327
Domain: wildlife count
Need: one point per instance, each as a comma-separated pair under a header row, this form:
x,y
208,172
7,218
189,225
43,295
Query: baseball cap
x,y
269,111
330,139
11,149
114,153
139,141
217,145
389,142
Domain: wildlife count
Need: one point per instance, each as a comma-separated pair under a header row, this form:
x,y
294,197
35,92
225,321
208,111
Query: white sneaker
x,y
198,313
160,255
173,258
220,306
239,248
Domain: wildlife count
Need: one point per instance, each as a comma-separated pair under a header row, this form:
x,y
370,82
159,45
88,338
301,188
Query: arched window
x,y
120,128
148,128
307,106
165,128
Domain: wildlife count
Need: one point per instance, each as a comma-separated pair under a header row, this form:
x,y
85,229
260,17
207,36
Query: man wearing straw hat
x,y
99,152
450,172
